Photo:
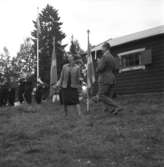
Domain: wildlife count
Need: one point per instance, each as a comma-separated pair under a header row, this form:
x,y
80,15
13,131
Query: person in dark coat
x,y
3,91
28,89
12,91
106,79
1,97
39,91
70,82
21,90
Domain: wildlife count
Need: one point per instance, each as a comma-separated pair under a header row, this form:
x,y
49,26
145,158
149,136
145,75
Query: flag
x,y
90,73
38,26
53,71
90,69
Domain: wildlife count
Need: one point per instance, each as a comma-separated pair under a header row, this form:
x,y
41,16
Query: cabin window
x,y
134,59
130,60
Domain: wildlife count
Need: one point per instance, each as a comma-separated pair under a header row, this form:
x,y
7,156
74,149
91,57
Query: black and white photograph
x,y
82,83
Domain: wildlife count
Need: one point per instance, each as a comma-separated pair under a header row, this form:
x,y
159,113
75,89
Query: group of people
x,y
7,91
21,90
70,82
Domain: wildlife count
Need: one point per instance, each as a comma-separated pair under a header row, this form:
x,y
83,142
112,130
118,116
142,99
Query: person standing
x,y
3,91
21,90
12,91
39,91
106,79
70,82
28,89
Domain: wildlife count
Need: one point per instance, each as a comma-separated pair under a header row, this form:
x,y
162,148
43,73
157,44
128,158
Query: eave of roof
x,y
132,37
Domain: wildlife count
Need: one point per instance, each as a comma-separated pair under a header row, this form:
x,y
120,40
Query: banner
x,y
53,71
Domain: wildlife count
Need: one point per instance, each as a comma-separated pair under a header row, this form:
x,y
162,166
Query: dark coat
x,y
105,68
75,76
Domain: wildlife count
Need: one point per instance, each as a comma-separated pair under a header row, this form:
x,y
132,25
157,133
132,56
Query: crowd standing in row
x,y
21,90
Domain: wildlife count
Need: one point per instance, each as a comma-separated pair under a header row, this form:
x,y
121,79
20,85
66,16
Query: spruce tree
x,y
50,27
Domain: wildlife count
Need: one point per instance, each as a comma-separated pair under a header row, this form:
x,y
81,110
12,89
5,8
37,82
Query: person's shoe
x,y
117,110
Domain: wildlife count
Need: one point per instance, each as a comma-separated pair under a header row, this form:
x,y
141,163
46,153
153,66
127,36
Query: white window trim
x,y
139,67
131,51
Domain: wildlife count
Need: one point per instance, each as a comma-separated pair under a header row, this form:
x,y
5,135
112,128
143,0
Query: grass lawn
x,y
40,136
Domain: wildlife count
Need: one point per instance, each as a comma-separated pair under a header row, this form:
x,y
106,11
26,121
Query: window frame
x,y
131,68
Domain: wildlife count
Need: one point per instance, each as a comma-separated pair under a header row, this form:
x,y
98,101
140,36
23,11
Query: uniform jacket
x,y
105,68
75,76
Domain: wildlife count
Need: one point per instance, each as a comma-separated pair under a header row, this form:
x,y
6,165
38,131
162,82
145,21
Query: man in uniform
x,y
106,79
3,91
12,90
21,90
28,88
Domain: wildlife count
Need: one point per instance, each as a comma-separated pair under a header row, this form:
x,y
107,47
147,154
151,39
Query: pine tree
x,y
50,27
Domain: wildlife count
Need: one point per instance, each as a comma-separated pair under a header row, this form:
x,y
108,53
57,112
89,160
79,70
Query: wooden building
x,y
141,61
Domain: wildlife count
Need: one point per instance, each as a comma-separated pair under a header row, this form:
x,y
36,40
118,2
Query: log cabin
x,y
140,61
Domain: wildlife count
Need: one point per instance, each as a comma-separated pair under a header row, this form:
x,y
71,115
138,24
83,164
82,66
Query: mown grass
x,y
40,135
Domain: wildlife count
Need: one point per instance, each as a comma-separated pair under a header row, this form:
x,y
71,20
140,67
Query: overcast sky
x,y
105,19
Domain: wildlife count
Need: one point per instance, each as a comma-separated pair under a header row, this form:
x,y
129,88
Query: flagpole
x,y
88,100
37,58
37,46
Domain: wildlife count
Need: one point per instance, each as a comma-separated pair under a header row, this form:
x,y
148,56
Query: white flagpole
x,y
37,58
88,101
37,46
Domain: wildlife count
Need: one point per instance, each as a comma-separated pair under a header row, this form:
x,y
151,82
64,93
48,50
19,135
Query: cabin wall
x,y
143,81
140,81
